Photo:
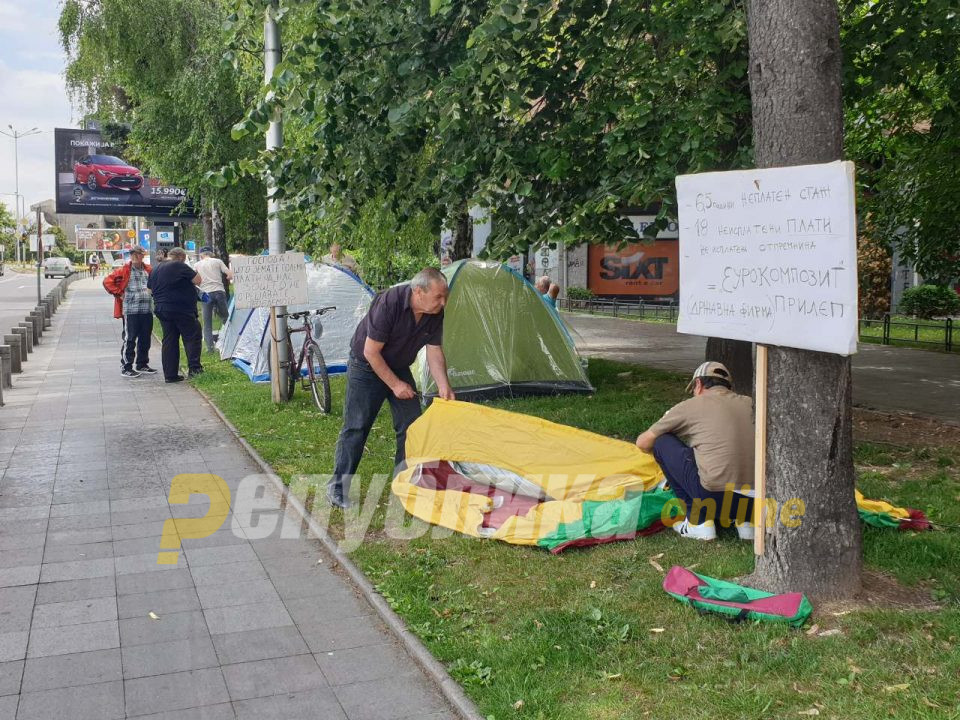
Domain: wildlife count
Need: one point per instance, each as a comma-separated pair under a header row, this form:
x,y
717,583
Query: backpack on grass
x,y
735,602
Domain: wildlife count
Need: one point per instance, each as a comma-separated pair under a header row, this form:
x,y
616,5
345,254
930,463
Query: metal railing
x,y
886,330
891,330
616,308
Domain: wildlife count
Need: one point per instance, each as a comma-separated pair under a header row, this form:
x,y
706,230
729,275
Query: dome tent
x,y
245,337
501,338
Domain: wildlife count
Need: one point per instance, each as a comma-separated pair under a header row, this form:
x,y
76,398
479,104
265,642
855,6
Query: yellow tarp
x,y
570,465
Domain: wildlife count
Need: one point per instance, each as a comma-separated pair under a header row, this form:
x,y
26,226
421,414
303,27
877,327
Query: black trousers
x,y
176,326
679,465
136,336
366,394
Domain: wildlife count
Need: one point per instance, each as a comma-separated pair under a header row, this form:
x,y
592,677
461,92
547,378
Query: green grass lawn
x,y
590,635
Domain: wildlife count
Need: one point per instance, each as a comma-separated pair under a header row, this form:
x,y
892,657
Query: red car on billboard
x,y
106,172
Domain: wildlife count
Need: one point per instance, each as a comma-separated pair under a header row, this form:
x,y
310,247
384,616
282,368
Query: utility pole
x,y
275,237
22,254
39,255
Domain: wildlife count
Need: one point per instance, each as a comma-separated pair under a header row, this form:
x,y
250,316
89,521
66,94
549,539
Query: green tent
x,y
501,338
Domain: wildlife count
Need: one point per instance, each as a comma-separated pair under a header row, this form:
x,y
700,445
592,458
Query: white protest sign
x,y
770,256
270,280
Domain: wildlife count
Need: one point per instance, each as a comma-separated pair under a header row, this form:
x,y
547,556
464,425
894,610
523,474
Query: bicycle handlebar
x,y
308,313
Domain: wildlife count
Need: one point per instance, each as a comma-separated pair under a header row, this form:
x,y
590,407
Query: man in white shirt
x,y
336,256
211,271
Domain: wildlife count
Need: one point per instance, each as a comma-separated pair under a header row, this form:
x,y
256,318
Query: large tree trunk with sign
x,y
737,355
797,120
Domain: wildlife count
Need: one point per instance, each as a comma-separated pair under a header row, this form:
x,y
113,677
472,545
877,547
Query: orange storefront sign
x,y
637,269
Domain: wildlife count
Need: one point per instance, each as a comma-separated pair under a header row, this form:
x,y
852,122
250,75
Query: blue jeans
x,y
366,393
679,465
218,303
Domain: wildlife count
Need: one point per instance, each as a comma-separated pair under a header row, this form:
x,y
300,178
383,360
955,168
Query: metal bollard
x,y
5,352
22,334
27,328
13,342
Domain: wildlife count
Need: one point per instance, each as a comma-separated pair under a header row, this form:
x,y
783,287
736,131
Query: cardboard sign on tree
x,y
770,256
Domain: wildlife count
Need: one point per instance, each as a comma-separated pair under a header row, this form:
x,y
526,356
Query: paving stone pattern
x,y
91,627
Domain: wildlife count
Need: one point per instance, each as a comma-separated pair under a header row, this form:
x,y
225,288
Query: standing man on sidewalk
x,y
174,288
400,321
211,270
131,303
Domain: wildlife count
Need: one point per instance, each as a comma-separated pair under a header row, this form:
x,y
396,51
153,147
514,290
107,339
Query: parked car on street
x,y
57,267
106,172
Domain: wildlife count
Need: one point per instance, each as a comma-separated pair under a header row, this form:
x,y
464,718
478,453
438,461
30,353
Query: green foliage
x,y
903,126
388,252
177,95
552,116
930,301
576,293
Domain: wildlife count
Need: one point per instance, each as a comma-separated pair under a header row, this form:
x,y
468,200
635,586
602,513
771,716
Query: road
x,y
890,379
18,296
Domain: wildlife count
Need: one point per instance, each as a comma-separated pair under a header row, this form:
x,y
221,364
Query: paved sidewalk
x,y
885,378
92,628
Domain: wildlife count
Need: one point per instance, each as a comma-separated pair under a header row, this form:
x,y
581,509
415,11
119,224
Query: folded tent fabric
x,y
880,513
736,602
571,467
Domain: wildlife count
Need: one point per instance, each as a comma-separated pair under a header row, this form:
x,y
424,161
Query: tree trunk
x,y
207,219
462,235
218,234
798,119
737,355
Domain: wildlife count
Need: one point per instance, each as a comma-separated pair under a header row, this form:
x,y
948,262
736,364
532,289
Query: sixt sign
x,y
632,267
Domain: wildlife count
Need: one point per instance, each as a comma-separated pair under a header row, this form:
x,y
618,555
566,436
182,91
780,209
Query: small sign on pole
x,y
270,280
770,256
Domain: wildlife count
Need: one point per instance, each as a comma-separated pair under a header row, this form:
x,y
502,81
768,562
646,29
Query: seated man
x,y
704,446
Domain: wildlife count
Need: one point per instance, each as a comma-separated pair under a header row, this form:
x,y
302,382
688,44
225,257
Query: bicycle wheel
x,y
292,370
317,377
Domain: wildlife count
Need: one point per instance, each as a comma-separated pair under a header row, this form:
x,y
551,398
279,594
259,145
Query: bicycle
x,y
316,378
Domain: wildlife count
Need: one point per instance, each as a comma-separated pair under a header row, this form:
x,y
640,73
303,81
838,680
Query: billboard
x,y
104,238
92,178
643,270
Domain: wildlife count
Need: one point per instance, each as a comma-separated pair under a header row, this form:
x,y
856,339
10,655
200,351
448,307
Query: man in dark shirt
x,y
400,321
174,288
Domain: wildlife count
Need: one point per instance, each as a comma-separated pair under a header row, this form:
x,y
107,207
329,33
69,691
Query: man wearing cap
x,y
211,271
131,303
400,321
704,446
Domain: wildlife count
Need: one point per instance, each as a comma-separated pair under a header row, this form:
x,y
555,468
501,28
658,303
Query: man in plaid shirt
x,y
128,285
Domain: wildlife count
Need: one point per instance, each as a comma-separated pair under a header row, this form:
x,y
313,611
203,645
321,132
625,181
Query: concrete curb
x,y
431,666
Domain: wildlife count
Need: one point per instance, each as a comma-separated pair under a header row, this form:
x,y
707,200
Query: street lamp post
x,y
16,174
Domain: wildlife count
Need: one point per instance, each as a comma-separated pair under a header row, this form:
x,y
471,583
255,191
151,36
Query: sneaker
x,y
705,531
130,373
746,531
175,378
336,499
146,369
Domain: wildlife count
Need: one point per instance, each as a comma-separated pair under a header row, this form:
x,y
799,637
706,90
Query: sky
x,y
33,95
